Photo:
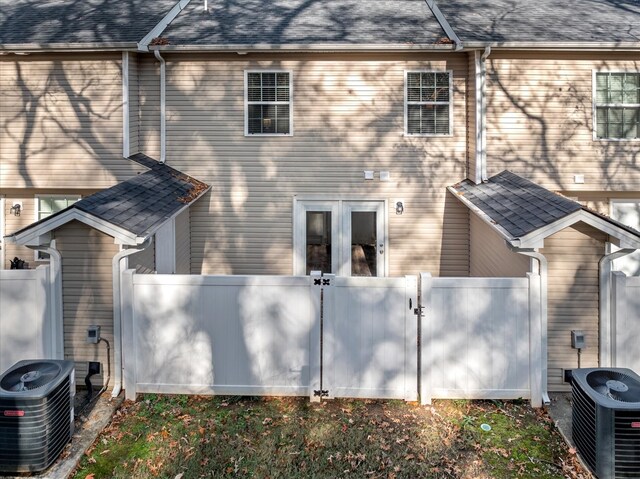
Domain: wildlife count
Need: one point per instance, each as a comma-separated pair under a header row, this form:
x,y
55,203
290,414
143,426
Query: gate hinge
x,y
419,311
321,392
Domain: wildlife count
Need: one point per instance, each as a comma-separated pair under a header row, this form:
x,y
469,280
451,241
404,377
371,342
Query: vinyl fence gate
x,y
270,335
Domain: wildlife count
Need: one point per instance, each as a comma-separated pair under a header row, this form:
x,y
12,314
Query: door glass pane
x,y
363,243
318,241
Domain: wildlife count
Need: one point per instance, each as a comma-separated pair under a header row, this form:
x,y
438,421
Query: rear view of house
x,y
359,140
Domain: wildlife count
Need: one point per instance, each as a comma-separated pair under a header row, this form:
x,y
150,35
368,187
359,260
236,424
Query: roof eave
x,y
296,48
484,217
586,46
25,48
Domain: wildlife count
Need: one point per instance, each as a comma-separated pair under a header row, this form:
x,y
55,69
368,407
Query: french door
x,y
342,237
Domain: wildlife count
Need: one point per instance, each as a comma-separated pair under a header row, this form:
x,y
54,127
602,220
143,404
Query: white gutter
x,y
163,106
536,46
306,48
117,309
446,26
155,32
606,342
55,279
544,281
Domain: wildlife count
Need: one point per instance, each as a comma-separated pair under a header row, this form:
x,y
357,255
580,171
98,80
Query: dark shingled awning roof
x,y
139,205
519,207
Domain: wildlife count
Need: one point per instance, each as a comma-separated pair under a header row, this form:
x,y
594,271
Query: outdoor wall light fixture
x,y
399,207
15,209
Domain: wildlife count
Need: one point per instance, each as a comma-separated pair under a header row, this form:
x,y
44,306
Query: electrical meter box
x,y
577,339
93,334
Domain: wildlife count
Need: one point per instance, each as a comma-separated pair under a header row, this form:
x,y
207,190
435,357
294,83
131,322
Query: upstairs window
x,y
428,109
617,106
268,103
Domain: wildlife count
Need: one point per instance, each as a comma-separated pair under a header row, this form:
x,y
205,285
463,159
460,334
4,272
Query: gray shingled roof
x,y
610,21
45,22
304,22
140,204
517,205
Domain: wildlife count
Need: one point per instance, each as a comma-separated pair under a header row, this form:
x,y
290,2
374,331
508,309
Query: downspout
x,y
481,135
163,106
607,349
55,278
117,317
543,266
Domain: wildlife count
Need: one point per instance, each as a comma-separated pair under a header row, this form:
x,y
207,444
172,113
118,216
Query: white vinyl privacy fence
x,y
625,315
28,329
481,338
328,336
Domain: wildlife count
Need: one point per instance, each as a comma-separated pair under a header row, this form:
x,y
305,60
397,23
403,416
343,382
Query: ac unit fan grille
x,y
584,425
627,445
30,376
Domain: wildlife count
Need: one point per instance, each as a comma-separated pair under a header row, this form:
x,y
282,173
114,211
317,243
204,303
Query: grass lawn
x,y
193,436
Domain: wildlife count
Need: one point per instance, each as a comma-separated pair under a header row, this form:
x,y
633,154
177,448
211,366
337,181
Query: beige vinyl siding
x,y
61,121
348,116
540,120
183,243
573,255
27,216
490,256
149,106
14,223
134,104
87,293
471,117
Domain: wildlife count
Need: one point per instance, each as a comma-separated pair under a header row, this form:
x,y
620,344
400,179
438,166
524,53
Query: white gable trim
x,y
39,234
619,236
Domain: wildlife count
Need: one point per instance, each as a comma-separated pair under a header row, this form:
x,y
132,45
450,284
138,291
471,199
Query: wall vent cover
x,y
606,421
36,414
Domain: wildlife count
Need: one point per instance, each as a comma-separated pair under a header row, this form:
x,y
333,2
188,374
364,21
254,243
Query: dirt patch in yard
x,y
192,437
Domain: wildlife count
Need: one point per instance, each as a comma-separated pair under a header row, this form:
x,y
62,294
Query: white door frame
x,y
340,210
381,238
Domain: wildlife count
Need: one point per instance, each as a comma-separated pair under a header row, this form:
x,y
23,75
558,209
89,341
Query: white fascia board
x,y
143,45
34,235
25,48
446,26
567,46
301,48
619,236
483,216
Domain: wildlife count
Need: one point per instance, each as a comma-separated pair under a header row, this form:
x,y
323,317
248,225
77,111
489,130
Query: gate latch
x,y
417,311
321,392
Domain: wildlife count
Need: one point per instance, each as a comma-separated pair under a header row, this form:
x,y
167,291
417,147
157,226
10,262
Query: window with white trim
x,y
428,103
268,103
48,205
617,105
